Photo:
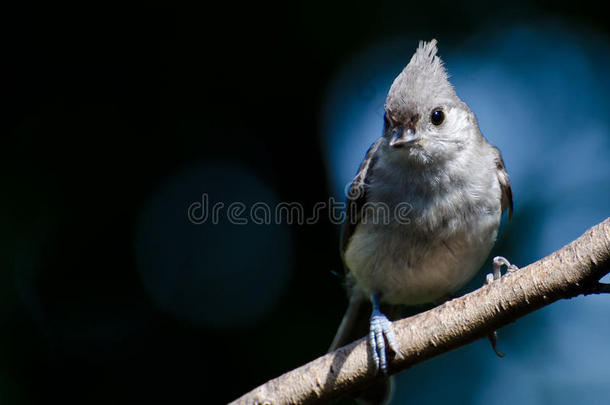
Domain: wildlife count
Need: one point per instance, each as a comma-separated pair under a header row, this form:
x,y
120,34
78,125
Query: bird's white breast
x,y
451,228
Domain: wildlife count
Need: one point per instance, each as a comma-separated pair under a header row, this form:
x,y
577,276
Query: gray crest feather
x,y
426,60
424,76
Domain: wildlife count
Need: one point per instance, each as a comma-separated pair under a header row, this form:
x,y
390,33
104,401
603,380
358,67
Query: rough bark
x,y
575,269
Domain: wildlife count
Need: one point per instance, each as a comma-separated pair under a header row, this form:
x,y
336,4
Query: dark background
x,y
105,107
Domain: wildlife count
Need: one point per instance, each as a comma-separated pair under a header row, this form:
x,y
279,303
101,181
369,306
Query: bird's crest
x,y
424,76
426,60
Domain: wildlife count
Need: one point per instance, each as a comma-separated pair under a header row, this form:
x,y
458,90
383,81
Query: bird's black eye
x,y
437,117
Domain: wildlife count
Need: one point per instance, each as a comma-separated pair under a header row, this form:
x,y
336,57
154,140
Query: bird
x,y
423,211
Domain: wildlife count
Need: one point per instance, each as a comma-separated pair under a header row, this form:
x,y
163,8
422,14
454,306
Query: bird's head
x,y
425,121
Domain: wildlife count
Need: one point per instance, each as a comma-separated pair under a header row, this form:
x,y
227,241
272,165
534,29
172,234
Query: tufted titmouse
x,y
432,157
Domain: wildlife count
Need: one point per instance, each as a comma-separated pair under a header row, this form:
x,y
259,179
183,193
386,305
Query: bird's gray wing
x,y
356,196
355,323
507,192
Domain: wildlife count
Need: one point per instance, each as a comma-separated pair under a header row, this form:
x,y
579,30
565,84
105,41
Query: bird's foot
x,y
498,262
380,332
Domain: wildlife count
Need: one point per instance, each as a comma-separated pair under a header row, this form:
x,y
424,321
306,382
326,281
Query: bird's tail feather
x,y
355,325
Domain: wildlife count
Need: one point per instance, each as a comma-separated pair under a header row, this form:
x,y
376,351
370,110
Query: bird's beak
x,y
404,137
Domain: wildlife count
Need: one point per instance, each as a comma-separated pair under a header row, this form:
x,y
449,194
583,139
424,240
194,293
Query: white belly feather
x,y
449,235
409,271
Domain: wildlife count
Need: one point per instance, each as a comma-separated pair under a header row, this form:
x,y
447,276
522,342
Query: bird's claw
x,y
380,332
493,339
498,262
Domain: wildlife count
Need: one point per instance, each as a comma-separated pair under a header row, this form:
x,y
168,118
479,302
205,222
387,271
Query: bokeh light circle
x,y
205,262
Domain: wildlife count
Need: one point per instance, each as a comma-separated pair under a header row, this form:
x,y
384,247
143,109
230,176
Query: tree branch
x,y
575,269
